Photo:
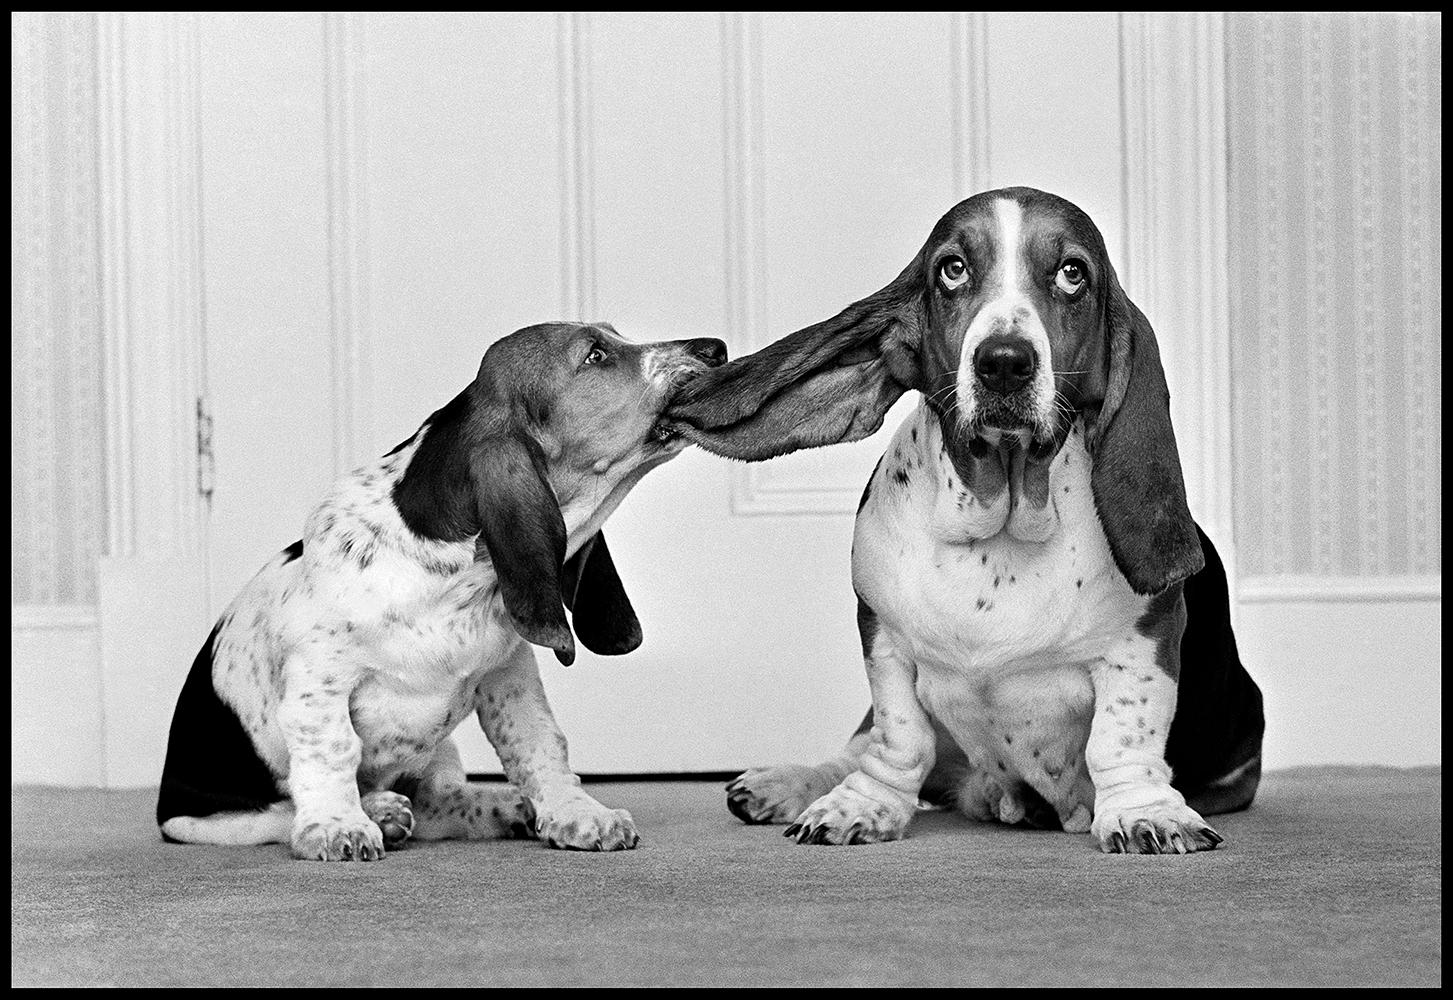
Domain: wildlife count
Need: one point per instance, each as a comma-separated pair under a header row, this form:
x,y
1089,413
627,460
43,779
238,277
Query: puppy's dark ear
x,y
604,619
824,384
523,534
1139,492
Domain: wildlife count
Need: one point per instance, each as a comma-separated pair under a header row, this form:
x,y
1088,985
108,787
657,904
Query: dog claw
x,y
1146,836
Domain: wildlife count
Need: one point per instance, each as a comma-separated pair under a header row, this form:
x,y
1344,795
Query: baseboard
x,y
56,725
1347,679
643,776
1375,589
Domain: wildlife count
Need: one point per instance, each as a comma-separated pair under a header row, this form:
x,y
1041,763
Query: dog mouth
x,y
1004,413
665,430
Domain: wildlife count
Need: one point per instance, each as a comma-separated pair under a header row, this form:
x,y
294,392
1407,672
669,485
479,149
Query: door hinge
x,y
206,466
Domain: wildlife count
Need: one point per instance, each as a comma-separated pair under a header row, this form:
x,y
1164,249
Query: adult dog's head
x,y
1013,325
561,417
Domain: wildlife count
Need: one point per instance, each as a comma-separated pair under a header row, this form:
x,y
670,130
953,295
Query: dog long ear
x,y
523,534
1139,492
604,619
824,384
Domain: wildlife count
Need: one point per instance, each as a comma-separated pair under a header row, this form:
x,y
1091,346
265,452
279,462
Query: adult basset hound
x,y
319,710
1045,628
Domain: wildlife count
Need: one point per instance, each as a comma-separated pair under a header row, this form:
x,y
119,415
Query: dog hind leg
x,y
448,806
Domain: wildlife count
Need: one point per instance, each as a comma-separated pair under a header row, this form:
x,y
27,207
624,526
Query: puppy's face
x,y
593,398
1016,305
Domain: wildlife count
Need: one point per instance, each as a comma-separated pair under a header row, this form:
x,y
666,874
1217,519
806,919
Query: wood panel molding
x,y
345,119
1385,589
151,273
756,490
577,168
1174,113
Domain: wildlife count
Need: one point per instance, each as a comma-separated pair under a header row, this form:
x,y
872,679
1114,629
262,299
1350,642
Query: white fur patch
x,y
1003,633
349,666
1010,310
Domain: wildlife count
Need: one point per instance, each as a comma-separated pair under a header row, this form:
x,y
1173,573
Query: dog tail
x,y
212,769
272,825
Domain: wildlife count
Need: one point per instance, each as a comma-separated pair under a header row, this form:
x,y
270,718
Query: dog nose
x,y
708,349
1004,364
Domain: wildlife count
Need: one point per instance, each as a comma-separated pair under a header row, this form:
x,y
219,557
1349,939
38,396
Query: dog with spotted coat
x,y
319,711
1046,630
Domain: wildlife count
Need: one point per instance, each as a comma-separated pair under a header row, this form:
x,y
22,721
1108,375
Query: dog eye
x,y
953,272
1071,277
595,357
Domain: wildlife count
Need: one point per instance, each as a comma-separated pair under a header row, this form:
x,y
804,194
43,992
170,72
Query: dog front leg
x,y
517,719
876,801
1136,809
323,757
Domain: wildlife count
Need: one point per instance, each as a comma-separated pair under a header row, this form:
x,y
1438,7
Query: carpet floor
x,y
1333,878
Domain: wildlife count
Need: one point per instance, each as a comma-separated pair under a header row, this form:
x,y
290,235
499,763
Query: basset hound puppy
x,y
1046,630
318,712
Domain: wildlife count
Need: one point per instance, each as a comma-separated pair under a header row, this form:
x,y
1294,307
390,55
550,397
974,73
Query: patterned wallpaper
x,y
1334,124
58,521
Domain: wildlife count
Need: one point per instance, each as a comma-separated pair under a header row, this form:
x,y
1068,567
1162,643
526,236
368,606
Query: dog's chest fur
x,y
1001,631
412,624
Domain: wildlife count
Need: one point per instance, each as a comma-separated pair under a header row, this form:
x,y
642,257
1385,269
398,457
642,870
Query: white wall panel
x,y
842,131
263,140
1054,111
464,199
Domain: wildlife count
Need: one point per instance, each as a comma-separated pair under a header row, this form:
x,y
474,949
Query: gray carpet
x,y
1334,878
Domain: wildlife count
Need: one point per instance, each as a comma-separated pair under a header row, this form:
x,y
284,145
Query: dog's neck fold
x,y
994,483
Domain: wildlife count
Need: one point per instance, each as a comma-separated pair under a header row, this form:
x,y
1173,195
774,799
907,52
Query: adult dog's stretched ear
x,y
523,533
1136,479
604,619
827,383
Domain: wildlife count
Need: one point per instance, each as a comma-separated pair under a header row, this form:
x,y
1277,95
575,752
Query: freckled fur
x,y
1076,600
351,657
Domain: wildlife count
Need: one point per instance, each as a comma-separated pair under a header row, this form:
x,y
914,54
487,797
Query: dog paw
x,y
844,816
583,824
776,794
516,819
347,838
1156,828
982,798
393,814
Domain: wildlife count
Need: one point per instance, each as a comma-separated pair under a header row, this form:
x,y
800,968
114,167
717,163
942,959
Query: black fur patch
x,y
434,495
1163,620
867,625
600,610
211,765
293,551
868,486
1219,722
405,442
